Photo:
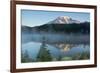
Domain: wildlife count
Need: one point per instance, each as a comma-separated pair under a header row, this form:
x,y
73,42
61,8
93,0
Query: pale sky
x,y
38,17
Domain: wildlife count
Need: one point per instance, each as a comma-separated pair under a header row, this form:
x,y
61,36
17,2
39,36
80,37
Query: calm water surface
x,y
31,44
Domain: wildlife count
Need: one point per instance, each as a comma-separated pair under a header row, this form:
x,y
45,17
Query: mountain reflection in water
x,y
69,50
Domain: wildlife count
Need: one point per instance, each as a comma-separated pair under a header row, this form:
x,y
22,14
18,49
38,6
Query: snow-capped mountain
x,y
63,20
62,24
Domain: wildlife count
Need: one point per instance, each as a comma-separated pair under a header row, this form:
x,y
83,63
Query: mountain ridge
x,y
69,26
63,20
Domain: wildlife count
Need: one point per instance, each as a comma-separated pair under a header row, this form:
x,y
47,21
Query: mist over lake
x,y
59,45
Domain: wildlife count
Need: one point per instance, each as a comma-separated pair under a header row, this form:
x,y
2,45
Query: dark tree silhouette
x,y
44,54
25,57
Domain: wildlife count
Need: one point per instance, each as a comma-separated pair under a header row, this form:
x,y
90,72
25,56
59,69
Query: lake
x,y
57,44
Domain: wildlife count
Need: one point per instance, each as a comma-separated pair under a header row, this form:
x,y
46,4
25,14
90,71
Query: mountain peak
x,y
64,17
63,20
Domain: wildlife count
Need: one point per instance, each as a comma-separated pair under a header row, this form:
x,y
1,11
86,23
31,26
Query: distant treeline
x,y
83,28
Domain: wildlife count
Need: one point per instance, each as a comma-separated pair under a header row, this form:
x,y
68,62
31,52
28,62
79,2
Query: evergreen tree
x,y
44,53
25,57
